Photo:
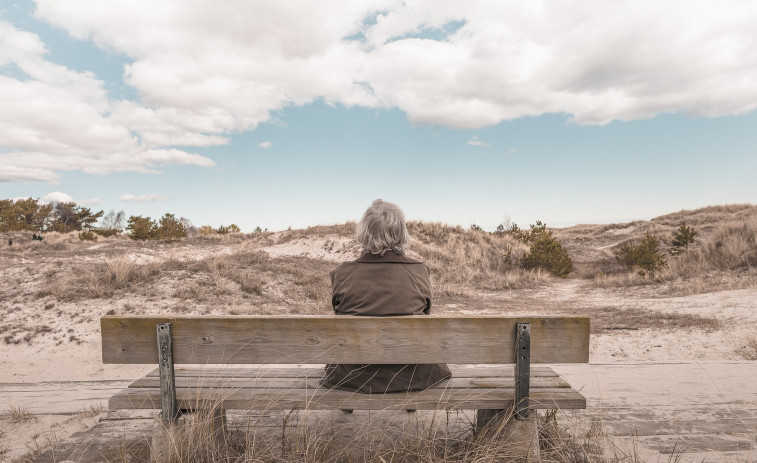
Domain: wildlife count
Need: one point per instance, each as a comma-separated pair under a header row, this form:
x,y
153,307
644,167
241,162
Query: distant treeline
x,y
29,215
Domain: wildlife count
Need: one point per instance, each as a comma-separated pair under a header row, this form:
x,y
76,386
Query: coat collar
x,y
389,257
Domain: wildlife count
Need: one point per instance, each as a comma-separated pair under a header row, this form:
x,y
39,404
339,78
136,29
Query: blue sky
x,y
271,116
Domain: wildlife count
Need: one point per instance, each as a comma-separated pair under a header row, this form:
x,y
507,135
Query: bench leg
x,y
190,433
167,439
217,423
522,434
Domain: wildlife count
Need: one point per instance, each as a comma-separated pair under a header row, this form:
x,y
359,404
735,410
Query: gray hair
x,y
383,228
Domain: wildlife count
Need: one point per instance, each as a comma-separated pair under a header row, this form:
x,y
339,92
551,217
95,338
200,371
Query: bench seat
x,y
264,388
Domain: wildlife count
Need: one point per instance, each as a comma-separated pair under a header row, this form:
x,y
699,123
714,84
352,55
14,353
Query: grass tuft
x,y
18,414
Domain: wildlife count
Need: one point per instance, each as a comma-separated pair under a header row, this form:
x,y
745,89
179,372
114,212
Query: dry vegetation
x,y
724,255
57,289
243,274
418,438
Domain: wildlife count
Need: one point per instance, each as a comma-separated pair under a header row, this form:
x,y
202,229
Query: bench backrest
x,y
289,339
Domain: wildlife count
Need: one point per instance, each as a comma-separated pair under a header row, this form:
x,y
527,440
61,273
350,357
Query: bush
x,y
546,251
682,238
206,230
645,255
170,228
141,228
106,232
87,235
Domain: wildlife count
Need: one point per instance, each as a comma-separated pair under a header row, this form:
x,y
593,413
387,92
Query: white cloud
x,y
210,69
60,197
265,144
475,141
58,119
148,198
57,197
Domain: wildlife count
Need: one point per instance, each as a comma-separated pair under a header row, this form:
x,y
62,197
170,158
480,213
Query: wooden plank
x,y
268,371
344,339
522,369
165,368
321,399
314,382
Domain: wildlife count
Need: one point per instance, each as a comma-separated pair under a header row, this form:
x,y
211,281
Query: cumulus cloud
x,y
205,71
57,197
56,119
265,144
60,197
148,198
475,141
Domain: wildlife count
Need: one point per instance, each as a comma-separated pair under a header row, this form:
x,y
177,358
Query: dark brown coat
x,y
380,286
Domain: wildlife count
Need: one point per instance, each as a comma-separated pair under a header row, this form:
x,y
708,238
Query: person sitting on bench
x,y
382,282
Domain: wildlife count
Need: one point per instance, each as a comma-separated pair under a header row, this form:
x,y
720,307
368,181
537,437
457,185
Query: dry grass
x,y
724,256
463,261
608,319
309,440
748,348
343,230
18,414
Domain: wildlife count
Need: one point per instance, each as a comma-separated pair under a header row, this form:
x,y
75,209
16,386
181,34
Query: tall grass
x,y
725,259
462,260
304,437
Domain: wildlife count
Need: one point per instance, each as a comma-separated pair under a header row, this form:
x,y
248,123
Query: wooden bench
x,y
262,343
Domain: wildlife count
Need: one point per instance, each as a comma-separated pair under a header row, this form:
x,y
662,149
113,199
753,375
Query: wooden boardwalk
x,y
706,411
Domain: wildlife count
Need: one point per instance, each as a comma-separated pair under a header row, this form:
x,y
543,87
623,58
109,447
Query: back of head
x,y
383,228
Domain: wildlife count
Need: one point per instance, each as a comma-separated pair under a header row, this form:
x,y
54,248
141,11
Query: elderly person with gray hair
x,y
383,281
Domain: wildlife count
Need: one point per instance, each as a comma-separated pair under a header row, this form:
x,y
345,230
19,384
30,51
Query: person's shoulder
x,y
343,268
389,257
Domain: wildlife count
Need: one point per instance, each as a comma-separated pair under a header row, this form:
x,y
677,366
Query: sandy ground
x,y
629,332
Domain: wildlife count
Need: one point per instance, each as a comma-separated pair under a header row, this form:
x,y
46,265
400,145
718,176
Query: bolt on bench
x,y
262,341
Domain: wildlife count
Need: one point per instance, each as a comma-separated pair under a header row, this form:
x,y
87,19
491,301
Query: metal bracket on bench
x,y
522,369
170,412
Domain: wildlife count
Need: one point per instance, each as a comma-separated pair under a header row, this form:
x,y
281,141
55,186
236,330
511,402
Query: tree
x,y
70,217
170,228
682,238
114,221
23,214
546,251
141,228
188,226
646,255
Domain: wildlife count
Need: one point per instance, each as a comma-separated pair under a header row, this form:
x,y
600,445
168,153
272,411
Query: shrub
x,y
141,228
170,228
87,235
682,238
106,232
546,251
646,255
206,230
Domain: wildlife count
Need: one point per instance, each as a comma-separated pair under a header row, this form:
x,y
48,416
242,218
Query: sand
x,y
71,350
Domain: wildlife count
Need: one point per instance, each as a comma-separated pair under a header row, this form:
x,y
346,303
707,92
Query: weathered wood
x,y
268,371
314,382
342,339
522,369
322,399
167,383
486,416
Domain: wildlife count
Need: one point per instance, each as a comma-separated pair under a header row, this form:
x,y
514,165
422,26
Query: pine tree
x,y
682,238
